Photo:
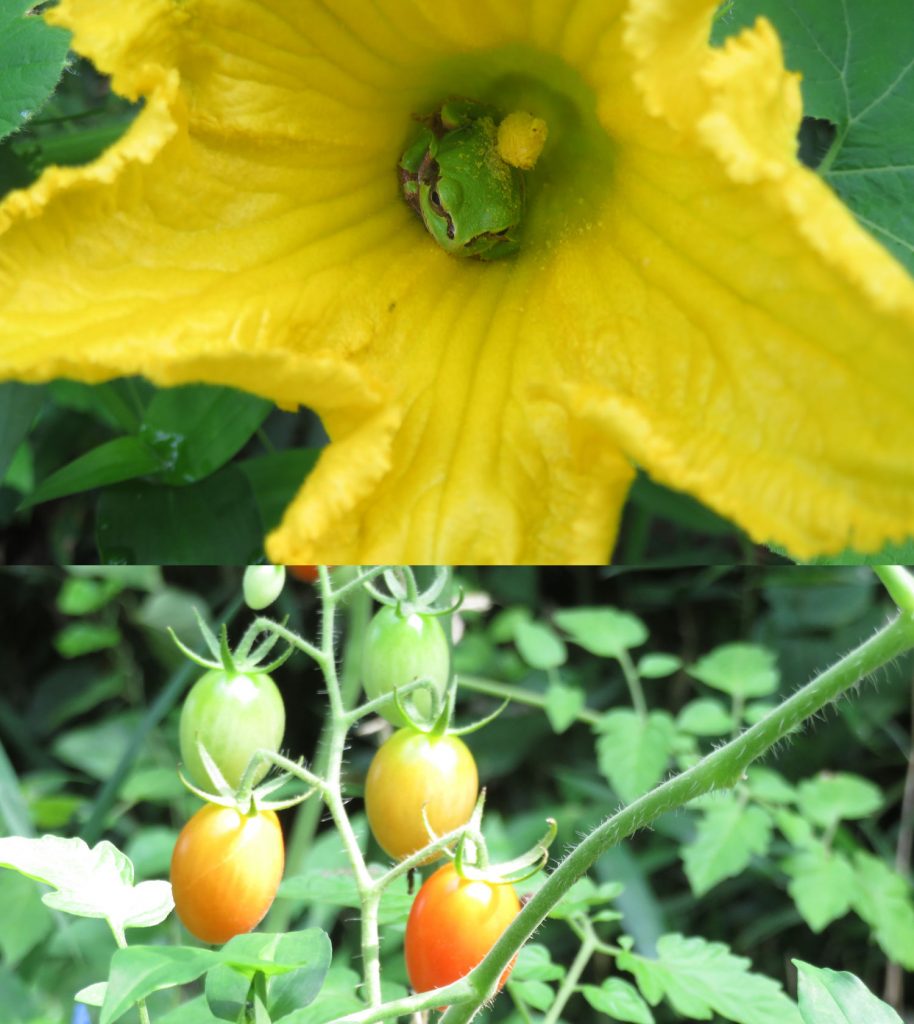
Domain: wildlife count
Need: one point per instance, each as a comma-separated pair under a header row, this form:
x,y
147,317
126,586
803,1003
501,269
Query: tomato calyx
x,y
245,658
471,857
406,597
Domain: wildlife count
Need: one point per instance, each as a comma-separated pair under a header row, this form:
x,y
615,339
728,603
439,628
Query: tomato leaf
x,y
728,836
32,57
603,631
89,883
742,670
539,645
633,750
838,997
828,799
700,978
885,901
705,716
822,884
562,705
620,1000
138,971
656,666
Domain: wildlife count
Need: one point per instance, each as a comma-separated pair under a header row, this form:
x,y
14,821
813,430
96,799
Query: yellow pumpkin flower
x,y
686,297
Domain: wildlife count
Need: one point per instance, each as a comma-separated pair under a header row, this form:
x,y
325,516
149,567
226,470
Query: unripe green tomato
x,y
399,649
262,585
233,714
413,770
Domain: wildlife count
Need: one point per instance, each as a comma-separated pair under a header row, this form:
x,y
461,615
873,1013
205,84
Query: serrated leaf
x,y
742,670
89,883
727,838
605,632
838,997
633,750
700,978
884,900
583,896
822,885
562,705
830,798
856,63
620,1000
656,666
705,716
539,645
32,56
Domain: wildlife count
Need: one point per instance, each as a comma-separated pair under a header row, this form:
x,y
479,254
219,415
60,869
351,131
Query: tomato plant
x,y
399,649
225,870
233,714
413,770
453,923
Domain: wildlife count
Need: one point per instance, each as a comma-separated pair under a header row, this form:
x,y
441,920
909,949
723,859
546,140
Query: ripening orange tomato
x,y
225,870
412,770
305,573
453,923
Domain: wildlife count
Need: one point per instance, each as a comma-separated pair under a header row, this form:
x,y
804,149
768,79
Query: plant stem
x,y
900,585
493,688
571,979
633,682
721,769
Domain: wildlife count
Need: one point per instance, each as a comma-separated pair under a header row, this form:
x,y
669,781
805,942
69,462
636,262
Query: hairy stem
x,y
571,979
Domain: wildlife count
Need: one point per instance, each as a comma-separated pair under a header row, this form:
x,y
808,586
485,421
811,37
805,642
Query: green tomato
x,y
469,199
401,648
233,715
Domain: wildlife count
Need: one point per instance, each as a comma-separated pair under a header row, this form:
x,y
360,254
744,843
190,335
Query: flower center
x,y
463,174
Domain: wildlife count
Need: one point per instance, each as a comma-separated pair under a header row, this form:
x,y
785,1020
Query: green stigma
x,y
463,174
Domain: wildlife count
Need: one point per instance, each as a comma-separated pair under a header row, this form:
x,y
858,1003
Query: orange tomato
x,y
225,870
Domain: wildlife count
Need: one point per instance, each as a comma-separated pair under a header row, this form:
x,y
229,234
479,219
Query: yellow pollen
x,y
521,138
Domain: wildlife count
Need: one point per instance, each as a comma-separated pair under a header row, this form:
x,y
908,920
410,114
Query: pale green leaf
x,y
706,716
539,645
838,997
534,963
700,978
742,670
830,798
562,705
32,56
884,900
89,883
537,994
656,666
727,838
605,632
822,885
620,1000
92,995
769,786
633,750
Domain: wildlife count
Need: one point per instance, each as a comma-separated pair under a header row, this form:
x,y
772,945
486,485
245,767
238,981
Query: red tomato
x,y
225,870
413,770
452,925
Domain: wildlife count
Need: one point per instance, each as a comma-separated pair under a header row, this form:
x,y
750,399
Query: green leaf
x,y
562,705
742,670
92,995
26,920
193,1012
97,748
537,994
822,884
657,666
197,428
138,971
583,897
539,645
124,458
838,997
19,403
830,798
226,991
700,978
337,887
275,480
534,963
706,716
89,883
32,57
214,522
769,786
727,838
856,63
81,596
605,632
80,638
620,1000
633,751
884,900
